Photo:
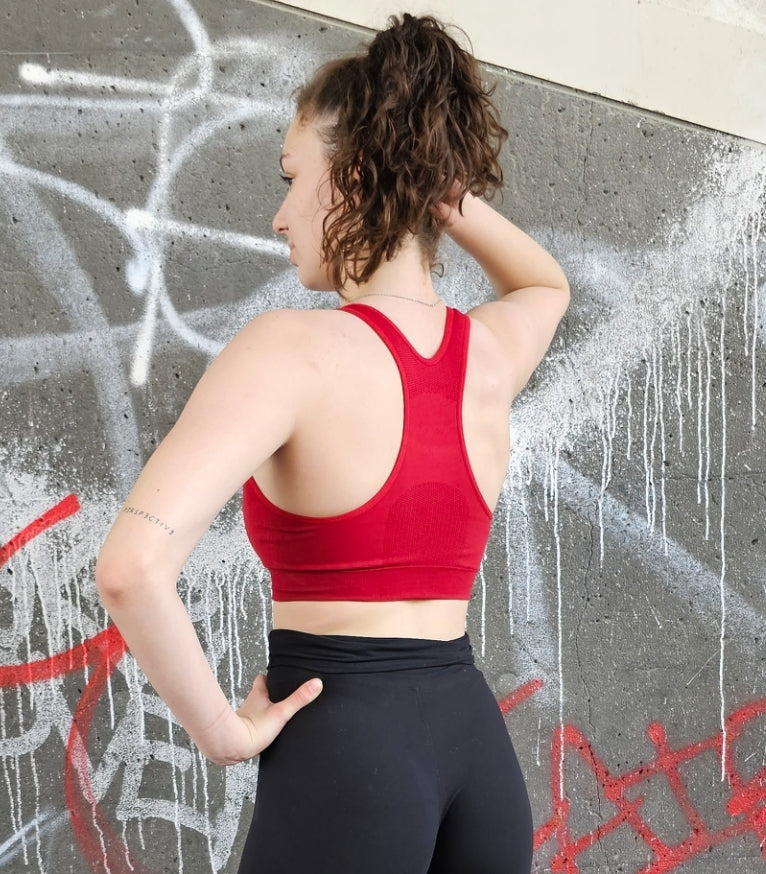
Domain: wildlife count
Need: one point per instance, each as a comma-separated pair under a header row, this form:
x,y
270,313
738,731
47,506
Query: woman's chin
x,y
312,282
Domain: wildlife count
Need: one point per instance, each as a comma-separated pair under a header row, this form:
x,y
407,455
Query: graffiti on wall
x,y
660,369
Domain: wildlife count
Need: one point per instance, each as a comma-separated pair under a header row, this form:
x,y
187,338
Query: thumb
x,y
302,696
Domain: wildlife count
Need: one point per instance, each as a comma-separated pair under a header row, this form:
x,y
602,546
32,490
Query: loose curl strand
x,y
406,126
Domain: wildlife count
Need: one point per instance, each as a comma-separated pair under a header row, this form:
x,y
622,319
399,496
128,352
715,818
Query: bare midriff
x,y
432,619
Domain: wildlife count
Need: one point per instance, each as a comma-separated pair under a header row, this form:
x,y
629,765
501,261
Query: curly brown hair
x,y
406,125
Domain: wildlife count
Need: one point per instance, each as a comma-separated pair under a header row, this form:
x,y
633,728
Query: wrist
x,y
227,740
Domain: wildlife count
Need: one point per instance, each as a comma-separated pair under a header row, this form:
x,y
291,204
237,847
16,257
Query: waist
x,y
350,654
429,619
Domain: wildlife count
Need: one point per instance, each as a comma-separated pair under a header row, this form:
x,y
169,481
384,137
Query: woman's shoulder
x,y
290,324
289,336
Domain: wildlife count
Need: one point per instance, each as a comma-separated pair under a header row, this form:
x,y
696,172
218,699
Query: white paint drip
x,y
36,820
756,235
508,577
483,590
722,529
675,333
708,453
660,410
559,608
649,496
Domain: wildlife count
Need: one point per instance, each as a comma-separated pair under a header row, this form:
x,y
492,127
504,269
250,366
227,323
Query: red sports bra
x,y
423,534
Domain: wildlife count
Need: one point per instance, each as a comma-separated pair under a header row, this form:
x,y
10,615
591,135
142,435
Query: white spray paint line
x,y
648,461
126,846
483,589
535,647
36,782
605,456
509,580
708,451
132,222
675,337
15,814
44,822
102,105
722,585
104,774
176,820
36,74
199,36
135,271
261,588
141,219
756,312
689,405
167,168
659,382
629,422
19,801
54,260
655,407
700,418
699,585
684,267
155,289
559,609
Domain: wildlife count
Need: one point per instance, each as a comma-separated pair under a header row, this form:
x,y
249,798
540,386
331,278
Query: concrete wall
x,y
620,611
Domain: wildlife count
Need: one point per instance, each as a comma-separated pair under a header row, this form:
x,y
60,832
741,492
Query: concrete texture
x,y
620,612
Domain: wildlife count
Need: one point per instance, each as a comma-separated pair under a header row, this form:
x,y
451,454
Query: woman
x,y
373,441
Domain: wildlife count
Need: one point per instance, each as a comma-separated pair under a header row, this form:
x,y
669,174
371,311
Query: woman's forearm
x,y
153,620
510,258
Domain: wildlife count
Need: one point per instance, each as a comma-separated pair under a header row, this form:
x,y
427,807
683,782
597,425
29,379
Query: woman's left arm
x,y
243,409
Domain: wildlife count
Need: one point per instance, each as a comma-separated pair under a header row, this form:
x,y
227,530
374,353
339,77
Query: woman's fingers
x,y
264,719
302,696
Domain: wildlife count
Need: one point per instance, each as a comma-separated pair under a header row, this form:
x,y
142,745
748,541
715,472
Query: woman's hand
x,y
264,719
450,210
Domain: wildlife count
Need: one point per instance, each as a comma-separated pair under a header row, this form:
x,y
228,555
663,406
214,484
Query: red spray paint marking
x,y
68,507
521,694
102,850
747,800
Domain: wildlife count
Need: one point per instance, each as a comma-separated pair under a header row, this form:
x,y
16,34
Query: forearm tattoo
x,y
134,511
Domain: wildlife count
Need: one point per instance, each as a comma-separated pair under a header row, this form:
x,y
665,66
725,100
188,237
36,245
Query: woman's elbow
x,y
119,574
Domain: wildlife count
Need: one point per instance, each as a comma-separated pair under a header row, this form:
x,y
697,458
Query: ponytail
x,y
406,125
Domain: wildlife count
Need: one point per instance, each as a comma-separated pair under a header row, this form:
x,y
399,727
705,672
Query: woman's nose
x,y
279,225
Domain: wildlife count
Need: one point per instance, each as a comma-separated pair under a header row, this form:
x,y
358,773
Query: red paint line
x,y
521,694
67,507
102,849
62,663
747,801
104,852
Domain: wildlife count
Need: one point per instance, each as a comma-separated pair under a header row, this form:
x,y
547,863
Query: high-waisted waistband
x,y
346,654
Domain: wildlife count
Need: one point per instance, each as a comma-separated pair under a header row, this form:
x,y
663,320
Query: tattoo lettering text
x,y
134,511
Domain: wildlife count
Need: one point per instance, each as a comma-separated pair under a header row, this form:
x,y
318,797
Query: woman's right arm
x,y
532,290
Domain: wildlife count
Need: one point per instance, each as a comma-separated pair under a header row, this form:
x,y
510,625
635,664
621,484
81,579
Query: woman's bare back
x,y
347,439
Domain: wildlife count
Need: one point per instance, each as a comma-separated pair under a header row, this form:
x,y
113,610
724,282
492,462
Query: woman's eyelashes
x,y
288,180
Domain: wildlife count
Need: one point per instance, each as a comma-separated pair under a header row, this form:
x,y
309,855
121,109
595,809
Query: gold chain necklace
x,y
400,297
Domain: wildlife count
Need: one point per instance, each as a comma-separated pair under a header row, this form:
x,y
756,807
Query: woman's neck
x,y
406,275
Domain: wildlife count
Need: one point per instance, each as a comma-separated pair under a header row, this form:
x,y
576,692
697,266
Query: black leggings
x,y
402,765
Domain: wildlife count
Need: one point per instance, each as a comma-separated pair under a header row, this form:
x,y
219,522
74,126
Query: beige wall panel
x,y
696,60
